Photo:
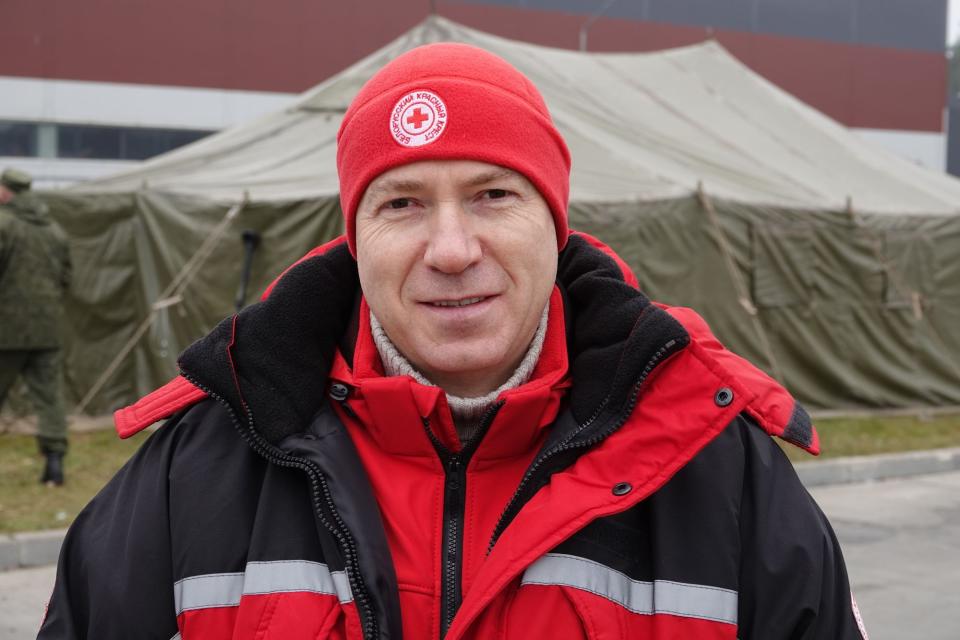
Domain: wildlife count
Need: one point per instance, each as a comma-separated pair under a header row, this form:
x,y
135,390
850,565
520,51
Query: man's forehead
x,y
422,175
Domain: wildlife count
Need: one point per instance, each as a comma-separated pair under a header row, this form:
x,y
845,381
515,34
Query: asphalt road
x,y
901,539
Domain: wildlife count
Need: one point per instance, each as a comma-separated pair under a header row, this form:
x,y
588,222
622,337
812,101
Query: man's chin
x,y
455,369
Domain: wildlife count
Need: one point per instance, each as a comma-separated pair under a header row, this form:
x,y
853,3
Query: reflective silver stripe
x,y
645,598
213,590
176,637
226,589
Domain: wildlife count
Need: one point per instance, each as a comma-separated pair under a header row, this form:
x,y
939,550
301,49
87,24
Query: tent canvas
x,y
831,263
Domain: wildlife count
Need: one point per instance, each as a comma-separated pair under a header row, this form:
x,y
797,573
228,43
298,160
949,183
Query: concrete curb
x,y
39,548
878,467
31,549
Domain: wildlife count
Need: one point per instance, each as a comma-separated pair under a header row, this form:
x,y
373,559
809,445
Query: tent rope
x,y
743,296
172,295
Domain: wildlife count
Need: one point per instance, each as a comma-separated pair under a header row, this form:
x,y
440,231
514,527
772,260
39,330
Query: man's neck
x,y
467,412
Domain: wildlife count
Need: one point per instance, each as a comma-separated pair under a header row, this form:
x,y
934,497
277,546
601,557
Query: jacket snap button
x,y
724,397
622,488
339,392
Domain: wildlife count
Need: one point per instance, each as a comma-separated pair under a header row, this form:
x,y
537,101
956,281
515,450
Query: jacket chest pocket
x,y
545,611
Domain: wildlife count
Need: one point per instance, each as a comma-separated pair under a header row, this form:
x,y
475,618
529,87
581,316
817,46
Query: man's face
x,y
457,260
6,195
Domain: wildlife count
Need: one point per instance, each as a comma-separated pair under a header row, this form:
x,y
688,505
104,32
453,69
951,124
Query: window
x,y
783,265
910,268
80,141
18,139
95,142
140,144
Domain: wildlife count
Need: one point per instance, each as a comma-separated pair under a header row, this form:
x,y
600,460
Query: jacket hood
x,y
272,360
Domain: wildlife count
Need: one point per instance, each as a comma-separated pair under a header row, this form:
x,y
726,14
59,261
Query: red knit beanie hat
x,y
451,102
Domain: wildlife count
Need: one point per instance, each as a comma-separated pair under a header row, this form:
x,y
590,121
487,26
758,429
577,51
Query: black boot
x,y
53,471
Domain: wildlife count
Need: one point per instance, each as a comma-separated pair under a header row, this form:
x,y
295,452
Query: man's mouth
x,y
458,303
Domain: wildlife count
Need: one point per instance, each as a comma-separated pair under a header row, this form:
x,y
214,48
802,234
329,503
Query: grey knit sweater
x,y
467,412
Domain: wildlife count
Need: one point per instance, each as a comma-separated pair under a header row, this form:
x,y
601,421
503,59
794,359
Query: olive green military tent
x,y
829,262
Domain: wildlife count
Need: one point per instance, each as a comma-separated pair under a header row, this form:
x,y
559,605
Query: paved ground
x,y
23,595
901,539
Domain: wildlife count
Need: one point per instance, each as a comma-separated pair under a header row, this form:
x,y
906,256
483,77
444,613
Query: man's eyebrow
x,y
395,186
490,176
401,186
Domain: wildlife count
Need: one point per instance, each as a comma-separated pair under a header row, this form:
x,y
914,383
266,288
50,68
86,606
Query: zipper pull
x,y
453,464
454,481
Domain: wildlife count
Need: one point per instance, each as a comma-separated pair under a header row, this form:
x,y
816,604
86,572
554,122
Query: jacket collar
x,y
396,409
273,360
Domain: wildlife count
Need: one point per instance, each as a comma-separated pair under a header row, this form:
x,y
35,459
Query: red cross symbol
x,y
417,118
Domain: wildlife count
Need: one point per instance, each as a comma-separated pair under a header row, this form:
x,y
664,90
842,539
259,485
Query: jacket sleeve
x,y
793,581
115,577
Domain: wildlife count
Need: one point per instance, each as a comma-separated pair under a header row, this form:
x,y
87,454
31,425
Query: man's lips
x,y
460,302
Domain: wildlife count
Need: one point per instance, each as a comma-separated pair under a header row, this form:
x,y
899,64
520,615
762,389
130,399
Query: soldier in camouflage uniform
x,y
34,276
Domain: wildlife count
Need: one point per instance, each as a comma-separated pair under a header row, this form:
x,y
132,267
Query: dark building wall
x,y
903,24
853,59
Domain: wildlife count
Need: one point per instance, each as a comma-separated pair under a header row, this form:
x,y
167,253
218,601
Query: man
x,y
478,429
34,277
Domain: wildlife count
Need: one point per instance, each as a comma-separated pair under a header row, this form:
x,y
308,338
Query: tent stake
x,y
172,295
743,296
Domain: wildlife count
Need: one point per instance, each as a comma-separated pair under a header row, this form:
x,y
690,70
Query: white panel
x,y
135,105
922,147
49,173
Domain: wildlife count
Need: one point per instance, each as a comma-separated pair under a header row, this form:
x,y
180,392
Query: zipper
x,y
454,503
520,498
321,497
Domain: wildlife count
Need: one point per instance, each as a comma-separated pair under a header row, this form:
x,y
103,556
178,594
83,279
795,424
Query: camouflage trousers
x,y
42,371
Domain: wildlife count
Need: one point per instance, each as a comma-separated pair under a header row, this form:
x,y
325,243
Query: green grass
x,y
95,456
865,436
26,505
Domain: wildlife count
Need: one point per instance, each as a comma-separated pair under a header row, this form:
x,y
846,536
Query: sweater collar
x,y
395,408
467,412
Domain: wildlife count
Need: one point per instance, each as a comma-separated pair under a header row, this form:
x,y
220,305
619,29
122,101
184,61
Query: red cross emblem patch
x,y
418,118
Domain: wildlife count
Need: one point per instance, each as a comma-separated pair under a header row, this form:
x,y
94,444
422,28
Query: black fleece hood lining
x,y
281,348
612,322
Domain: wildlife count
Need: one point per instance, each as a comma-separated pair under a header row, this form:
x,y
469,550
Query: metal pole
x,y
590,20
251,239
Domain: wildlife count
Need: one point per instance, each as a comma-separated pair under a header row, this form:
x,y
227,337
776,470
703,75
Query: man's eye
x,y
496,194
399,203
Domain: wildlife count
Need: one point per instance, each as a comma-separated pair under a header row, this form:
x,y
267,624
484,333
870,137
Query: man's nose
x,y
453,244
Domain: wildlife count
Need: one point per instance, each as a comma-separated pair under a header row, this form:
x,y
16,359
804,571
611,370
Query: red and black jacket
x,y
629,490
